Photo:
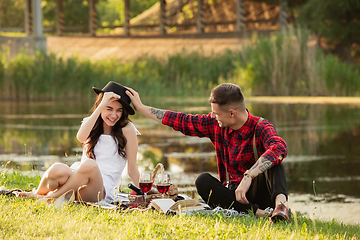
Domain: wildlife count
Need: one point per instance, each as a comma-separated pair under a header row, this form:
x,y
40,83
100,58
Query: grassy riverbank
x,y
286,64
24,219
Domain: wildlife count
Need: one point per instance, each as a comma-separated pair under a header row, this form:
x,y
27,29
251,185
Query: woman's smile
x,y
113,120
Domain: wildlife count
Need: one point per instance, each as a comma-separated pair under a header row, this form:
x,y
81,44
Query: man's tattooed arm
x,y
265,164
260,166
158,113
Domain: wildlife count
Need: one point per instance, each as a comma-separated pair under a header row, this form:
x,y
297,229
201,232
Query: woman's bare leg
x,y
56,176
87,174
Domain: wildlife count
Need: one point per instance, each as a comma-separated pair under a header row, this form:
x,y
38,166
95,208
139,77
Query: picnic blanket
x,y
122,202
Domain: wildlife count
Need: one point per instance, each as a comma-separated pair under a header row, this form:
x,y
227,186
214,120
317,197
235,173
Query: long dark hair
x,y
98,129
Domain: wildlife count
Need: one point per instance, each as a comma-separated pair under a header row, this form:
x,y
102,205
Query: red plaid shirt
x,y
234,148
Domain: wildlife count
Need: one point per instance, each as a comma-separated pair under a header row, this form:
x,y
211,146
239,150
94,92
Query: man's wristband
x,y
248,173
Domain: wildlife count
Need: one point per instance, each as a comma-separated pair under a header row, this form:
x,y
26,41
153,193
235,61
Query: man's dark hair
x,y
227,95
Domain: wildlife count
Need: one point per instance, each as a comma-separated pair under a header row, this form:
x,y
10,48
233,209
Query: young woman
x,y
109,141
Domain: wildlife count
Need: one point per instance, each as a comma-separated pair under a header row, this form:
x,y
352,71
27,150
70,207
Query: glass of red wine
x,y
146,182
163,183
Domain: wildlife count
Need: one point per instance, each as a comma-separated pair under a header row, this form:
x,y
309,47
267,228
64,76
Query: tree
x,y
12,13
111,12
138,6
336,21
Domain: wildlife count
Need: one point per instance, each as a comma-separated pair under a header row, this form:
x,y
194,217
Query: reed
x,y
48,77
291,63
284,64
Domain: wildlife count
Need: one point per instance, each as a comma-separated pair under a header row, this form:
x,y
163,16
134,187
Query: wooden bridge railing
x,y
200,24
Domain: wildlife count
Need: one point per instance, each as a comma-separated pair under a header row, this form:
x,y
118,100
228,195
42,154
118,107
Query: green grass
x,y
15,179
25,219
13,34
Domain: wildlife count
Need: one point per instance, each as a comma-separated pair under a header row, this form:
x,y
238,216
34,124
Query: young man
x,y
254,184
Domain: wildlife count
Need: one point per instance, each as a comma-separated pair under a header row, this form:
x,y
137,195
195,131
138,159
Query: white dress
x,y
110,163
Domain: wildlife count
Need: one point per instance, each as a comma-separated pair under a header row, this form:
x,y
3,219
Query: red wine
x,y
145,186
163,188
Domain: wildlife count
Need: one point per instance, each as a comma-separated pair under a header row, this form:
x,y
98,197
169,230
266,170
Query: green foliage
x,y
342,79
337,21
14,179
110,12
284,64
12,13
138,6
76,12
49,13
150,160
243,77
47,77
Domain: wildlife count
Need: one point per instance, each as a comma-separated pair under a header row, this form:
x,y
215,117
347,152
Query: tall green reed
x,y
284,64
47,76
289,64
341,78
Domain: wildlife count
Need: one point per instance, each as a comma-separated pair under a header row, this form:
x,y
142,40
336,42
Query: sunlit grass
x,y
12,34
25,219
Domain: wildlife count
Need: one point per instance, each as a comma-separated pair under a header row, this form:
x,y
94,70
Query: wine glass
x,y
163,183
146,182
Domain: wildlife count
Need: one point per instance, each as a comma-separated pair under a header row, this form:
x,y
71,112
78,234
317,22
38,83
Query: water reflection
x,y
323,140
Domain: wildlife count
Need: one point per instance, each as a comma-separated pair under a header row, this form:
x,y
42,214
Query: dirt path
x,y
130,48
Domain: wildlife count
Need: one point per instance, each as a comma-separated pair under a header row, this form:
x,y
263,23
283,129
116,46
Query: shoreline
x,y
248,99
271,99
303,100
347,212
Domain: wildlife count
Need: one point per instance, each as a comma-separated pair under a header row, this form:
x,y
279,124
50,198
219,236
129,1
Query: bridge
x,y
162,10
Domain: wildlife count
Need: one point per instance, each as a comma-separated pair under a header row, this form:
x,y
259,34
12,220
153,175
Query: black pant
x,y
261,194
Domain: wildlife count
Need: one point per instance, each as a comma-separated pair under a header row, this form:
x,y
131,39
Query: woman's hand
x,y
108,98
89,123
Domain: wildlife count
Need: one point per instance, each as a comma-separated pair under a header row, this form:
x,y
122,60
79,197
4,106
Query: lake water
x,y
322,167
